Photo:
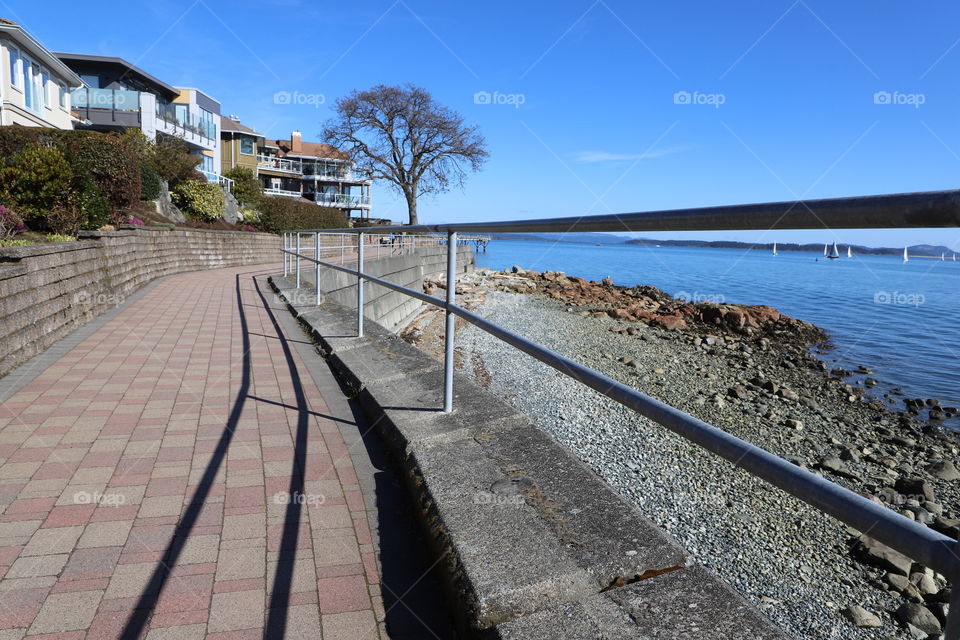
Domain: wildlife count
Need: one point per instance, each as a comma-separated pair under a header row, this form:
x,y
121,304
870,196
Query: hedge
x,y
279,214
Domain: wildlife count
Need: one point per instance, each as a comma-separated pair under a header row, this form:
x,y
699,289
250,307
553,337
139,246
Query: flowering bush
x,y
136,221
10,223
248,227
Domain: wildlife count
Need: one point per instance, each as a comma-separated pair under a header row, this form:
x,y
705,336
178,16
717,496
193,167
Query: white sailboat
x,y
954,257
906,255
943,256
826,252
774,248
849,252
835,253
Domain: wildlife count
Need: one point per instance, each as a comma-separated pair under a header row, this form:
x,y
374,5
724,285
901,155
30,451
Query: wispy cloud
x,y
607,156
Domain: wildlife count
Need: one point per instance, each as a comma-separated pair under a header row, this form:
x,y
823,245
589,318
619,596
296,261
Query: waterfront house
x,y
35,86
117,95
239,145
318,172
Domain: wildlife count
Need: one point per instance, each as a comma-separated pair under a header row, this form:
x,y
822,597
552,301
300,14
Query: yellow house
x,y
239,145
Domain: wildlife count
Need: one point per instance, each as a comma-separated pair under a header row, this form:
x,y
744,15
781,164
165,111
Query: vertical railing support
x,y
298,259
283,250
451,322
343,244
952,631
316,251
359,285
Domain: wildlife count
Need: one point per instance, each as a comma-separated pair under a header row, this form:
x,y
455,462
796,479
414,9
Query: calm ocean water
x,y
900,319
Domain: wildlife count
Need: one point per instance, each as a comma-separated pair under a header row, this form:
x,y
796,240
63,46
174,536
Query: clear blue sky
x,y
598,130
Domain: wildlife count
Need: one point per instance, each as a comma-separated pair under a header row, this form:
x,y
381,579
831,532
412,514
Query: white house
x,y
35,86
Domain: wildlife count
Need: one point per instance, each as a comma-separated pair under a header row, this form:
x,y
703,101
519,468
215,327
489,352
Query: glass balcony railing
x,y
112,99
341,198
185,121
279,164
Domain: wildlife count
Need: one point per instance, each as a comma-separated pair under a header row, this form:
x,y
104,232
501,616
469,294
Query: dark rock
x,y
875,553
915,487
920,617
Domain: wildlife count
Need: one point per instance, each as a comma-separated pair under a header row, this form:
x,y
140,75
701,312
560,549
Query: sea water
x,y
902,320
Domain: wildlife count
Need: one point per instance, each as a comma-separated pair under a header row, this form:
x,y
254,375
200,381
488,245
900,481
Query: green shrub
x,y
105,160
199,200
171,159
34,181
246,187
113,166
150,183
92,206
279,214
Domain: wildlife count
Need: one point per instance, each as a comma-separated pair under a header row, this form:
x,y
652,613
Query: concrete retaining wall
x,y
48,291
386,307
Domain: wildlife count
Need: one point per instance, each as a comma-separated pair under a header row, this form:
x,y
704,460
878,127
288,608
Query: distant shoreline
x,y
915,251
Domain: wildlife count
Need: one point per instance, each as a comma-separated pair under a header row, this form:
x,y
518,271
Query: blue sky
x,y
585,117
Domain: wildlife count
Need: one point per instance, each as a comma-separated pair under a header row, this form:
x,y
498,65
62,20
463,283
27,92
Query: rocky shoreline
x,y
750,371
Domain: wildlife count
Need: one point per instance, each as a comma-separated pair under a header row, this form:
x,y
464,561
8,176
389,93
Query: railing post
x,y
343,245
451,322
298,259
316,251
359,285
283,251
952,631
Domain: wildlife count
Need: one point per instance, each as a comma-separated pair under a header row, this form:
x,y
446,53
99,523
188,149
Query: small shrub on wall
x,y
199,200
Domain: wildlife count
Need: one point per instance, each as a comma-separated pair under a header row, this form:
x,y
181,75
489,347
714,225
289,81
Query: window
x,y
29,97
246,145
91,81
45,88
16,71
62,96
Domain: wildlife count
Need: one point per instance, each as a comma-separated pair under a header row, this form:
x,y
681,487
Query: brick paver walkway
x,y
174,476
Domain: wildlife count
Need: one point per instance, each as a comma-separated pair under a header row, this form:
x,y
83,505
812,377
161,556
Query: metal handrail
x,y
932,209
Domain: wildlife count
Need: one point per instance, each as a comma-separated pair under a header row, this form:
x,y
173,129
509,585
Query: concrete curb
x,y
530,542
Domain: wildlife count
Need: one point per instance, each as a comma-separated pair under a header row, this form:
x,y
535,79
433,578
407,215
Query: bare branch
x,y
402,136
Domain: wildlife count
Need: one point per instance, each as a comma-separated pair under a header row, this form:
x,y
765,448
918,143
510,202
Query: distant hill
x,y
588,237
915,250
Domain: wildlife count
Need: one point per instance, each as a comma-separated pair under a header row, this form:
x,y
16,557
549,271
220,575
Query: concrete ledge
x,y
530,542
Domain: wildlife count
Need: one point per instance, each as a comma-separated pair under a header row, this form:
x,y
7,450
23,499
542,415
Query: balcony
x,y
107,107
272,163
333,172
185,126
342,200
282,192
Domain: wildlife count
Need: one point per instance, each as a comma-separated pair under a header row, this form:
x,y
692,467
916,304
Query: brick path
x,y
145,482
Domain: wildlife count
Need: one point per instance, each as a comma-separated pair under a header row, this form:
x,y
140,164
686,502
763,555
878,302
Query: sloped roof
x,y
231,125
311,150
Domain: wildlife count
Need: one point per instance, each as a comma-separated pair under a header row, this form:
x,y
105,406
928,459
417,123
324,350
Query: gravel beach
x,y
803,569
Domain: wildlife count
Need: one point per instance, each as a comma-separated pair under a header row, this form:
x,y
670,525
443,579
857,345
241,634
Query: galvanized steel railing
x,y
914,210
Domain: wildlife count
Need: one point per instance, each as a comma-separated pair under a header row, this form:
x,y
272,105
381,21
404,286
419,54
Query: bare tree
x,y
401,135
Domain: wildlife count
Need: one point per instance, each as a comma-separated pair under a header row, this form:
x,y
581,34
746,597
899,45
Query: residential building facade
x,y
239,145
315,171
117,95
35,86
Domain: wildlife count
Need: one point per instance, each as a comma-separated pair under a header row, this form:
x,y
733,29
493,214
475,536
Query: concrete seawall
x,y
48,291
529,543
384,306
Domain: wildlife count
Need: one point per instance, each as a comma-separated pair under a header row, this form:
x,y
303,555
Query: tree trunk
x,y
411,197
